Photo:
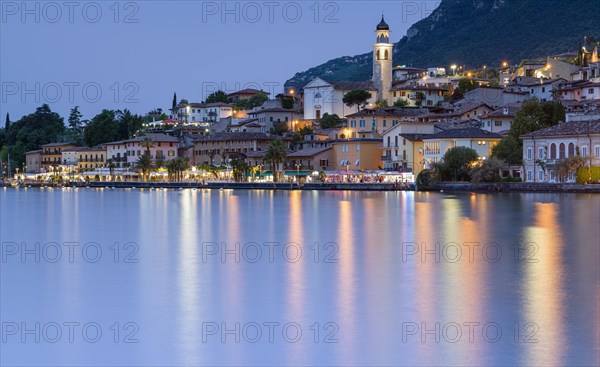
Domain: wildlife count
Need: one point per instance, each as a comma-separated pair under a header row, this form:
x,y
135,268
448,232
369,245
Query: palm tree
x,y
111,167
144,165
212,155
147,143
276,155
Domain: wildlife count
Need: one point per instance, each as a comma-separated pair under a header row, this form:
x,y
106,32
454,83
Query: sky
x,y
135,54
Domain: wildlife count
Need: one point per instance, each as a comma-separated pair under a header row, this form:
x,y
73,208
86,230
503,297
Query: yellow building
x,y
380,120
357,154
91,158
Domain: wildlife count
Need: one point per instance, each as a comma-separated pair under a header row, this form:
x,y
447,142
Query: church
x,y
322,96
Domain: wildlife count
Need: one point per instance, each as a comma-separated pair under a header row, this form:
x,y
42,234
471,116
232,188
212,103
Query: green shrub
x,y
588,175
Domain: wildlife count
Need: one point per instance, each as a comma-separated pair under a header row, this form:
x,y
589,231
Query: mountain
x,y
476,32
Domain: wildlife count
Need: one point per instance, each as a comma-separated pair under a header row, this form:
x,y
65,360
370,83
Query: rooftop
x,y
464,133
567,129
236,136
308,152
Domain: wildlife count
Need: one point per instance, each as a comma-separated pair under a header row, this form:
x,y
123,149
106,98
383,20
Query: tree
x,y
509,150
330,121
381,103
144,166
276,155
464,85
488,171
457,161
147,143
211,155
401,103
257,100
103,128
534,115
174,101
279,128
240,169
569,166
218,96
356,98
7,124
75,119
420,97
31,132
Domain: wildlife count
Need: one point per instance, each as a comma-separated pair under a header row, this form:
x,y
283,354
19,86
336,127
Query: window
x,y
394,122
529,176
395,141
584,151
591,91
540,153
552,151
497,123
403,141
362,123
384,123
597,151
571,150
561,151
529,153
358,147
171,153
540,175
388,141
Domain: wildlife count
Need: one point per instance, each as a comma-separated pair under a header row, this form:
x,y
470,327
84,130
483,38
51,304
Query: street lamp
x,y
453,67
298,172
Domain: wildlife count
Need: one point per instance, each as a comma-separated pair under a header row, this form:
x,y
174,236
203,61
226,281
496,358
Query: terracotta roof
x,y
468,132
56,145
309,152
155,137
414,137
249,91
390,111
236,136
273,109
567,129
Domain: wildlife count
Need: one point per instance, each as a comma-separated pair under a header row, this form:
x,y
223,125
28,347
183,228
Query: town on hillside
x,y
534,120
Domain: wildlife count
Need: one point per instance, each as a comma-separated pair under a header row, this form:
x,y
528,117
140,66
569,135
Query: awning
x,y
297,173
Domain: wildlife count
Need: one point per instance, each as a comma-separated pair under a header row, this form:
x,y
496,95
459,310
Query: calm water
x,y
339,278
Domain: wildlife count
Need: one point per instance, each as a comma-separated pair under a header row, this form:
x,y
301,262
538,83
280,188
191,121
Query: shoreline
x,y
506,187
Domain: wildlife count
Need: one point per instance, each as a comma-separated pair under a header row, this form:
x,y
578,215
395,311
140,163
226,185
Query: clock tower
x,y
382,62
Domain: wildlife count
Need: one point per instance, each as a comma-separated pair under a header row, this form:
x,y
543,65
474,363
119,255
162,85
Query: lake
x,y
221,277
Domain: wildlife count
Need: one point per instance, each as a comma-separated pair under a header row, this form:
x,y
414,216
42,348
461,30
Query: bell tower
x,y
382,62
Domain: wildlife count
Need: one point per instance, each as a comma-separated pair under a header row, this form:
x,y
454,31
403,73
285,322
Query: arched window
x,y
571,150
387,55
561,151
552,151
378,55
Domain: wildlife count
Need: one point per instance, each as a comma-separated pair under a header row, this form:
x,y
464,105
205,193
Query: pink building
x,y
163,147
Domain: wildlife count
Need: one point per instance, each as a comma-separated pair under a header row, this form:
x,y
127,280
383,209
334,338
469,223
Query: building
x,y
403,146
52,155
542,89
321,97
402,74
116,152
91,158
33,161
245,94
436,145
542,149
500,120
419,95
379,120
218,148
162,147
493,96
357,154
311,159
383,52
267,118
202,114
579,91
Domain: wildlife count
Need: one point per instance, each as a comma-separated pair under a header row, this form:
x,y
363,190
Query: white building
x,y
321,97
436,145
542,149
202,114
116,151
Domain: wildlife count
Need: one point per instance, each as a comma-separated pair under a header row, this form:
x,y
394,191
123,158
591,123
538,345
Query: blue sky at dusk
x,y
135,54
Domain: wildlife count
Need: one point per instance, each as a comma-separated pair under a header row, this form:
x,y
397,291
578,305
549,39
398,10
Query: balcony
x,y
386,158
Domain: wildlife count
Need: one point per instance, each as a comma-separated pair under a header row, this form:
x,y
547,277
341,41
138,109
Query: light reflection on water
x,y
375,289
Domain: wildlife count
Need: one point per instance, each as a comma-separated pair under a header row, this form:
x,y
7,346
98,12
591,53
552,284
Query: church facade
x,y
322,96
